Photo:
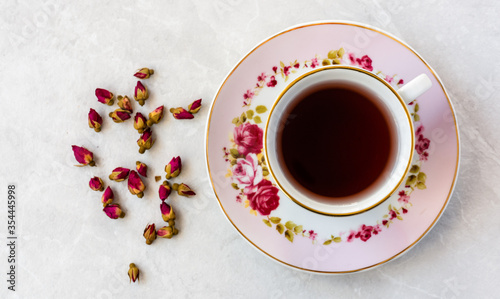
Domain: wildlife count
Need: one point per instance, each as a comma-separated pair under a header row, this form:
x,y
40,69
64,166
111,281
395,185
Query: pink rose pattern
x,y
403,198
262,195
364,62
248,138
389,79
247,172
422,143
364,233
272,82
312,235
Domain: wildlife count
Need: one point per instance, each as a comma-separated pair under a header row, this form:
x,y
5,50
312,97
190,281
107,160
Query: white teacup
x,y
394,104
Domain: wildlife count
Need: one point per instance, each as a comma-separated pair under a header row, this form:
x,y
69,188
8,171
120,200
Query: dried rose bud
x,y
173,168
150,233
104,96
135,184
141,93
181,113
146,141
83,156
142,168
119,174
133,272
96,184
124,103
114,211
183,189
155,116
167,213
165,232
119,115
140,122
95,120
164,190
144,73
195,106
107,197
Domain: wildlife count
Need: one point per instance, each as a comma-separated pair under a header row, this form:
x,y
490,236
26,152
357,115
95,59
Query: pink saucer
x,y
264,215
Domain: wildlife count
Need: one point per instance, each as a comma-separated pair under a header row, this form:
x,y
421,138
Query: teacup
x,y
339,140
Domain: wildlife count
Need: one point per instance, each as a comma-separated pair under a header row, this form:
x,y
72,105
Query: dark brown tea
x,y
335,142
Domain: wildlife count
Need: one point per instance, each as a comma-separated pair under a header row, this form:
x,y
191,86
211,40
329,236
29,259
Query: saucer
x,y
263,214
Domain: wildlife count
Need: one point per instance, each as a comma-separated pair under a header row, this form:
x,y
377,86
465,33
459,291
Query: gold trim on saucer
x,y
412,148
454,120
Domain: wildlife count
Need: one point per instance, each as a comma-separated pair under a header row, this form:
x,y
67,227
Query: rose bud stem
x,y
119,174
150,233
133,272
135,184
164,190
144,73
173,168
183,189
96,184
114,211
195,106
141,93
83,156
104,96
95,120
155,116
165,232
181,113
141,168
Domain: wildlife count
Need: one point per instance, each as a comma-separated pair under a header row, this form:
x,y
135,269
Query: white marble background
x,y
53,54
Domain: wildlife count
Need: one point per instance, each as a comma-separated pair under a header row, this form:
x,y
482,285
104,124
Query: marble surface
x,y
55,53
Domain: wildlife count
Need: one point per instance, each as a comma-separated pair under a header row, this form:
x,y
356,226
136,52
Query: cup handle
x,y
415,88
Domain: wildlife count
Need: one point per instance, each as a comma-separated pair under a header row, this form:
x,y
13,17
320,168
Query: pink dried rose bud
x,y
146,141
135,184
155,116
107,197
173,168
119,115
133,272
181,113
119,174
124,103
83,156
183,189
96,184
95,120
165,232
104,96
164,190
144,73
150,233
142,168
141,93
140,122
167,213
114,211
195,106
